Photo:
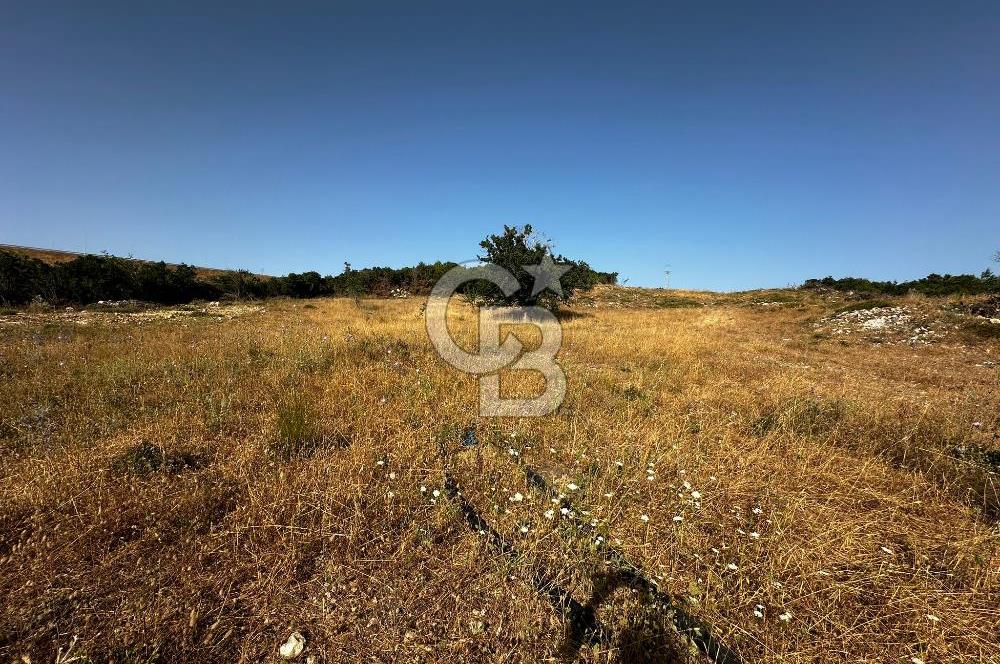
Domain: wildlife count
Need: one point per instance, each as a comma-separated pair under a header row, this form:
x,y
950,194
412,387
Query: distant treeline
x,y
92,278
932,284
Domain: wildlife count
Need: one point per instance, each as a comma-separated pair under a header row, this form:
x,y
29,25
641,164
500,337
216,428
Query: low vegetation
x,y
204,488
84,279
934,285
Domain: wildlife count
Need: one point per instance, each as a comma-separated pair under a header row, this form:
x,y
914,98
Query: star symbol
x,y
546,275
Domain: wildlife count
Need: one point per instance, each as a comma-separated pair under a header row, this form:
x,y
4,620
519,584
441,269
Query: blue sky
x,y
745,145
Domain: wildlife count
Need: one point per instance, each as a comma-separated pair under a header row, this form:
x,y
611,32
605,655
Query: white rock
x,y
293,647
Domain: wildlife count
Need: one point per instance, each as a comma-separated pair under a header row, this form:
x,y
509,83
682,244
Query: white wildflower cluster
x,y
435,494
401,293
688,494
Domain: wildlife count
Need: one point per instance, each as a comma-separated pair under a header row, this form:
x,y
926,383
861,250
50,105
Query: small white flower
x,y
645,518
687,485
609,495
650,477
392,476
380,462
564,511
785,617
678,518
696,495
599,540
524,529
423,489
933,618
511,451
517,497
391,495
758,612
550,514
436,493
732,567
755,535
619,464
757,510
572,487
552,449
917,660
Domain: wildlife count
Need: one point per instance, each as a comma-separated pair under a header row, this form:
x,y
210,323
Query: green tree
x,y
545,279
23,278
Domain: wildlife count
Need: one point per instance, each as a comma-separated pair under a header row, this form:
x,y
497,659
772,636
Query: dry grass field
x,y
199,485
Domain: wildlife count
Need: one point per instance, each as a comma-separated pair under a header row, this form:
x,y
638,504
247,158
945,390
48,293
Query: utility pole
x,y
667,271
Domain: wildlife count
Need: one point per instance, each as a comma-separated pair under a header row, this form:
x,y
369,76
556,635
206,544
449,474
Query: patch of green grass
x,y
980,331
672,302
145,459
296,428
978,454
806,416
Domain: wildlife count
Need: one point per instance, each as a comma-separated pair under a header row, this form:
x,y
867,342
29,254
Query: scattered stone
x,y
293,647
889,325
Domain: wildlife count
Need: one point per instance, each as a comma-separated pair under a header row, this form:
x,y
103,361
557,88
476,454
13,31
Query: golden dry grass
x,y
196,488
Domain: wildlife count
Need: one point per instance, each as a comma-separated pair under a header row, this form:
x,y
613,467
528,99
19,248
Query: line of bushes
x,y
92,278
932,284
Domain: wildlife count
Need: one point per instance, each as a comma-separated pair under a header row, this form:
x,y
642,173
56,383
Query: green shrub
x,y
980,330
516,248
146,459
22,278
932,284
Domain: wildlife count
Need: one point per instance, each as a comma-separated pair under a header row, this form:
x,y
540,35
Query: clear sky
x,y
744,144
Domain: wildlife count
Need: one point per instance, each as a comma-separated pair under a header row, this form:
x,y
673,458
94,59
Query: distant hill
x,y
56,256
